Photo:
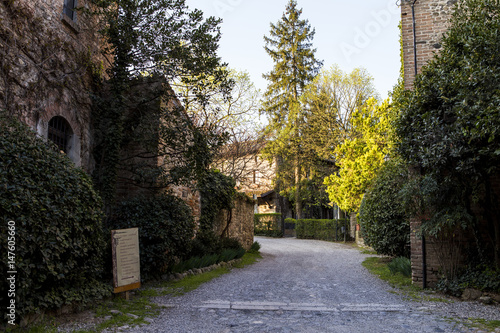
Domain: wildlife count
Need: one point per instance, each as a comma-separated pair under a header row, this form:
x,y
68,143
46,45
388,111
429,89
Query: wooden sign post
x,y
126,260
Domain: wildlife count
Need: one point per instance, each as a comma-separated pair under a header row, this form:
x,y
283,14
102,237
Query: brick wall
x,y
444,255
431,17
448,251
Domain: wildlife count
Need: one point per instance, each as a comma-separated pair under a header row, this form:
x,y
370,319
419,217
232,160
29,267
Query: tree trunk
x,y
298,201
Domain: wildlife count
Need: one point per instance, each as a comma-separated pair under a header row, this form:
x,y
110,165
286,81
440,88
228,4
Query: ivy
x,y
164,42
449,127
217,193
57,214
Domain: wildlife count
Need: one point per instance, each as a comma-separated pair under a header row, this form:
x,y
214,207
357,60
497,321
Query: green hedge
x,y
268,225
329,230
58,234
166,227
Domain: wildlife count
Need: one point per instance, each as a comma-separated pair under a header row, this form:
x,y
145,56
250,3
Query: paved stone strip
x,y
275,306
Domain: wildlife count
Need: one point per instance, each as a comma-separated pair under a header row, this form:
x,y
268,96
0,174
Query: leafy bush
x,y
268,225
166,228
384,224
448,128
329,230
400,265
225,249
58,234
480,277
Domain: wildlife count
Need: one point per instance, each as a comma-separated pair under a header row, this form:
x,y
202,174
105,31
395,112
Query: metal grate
x,y
59,132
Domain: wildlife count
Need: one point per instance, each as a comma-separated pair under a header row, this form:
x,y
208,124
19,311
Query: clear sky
x,y
352,34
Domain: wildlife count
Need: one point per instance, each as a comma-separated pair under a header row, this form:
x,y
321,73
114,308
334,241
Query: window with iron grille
x,y
69,9
60,132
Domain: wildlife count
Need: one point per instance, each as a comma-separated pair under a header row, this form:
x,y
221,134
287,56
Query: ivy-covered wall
x,y
46,65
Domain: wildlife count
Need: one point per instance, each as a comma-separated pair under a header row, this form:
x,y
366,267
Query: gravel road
x,y
306,286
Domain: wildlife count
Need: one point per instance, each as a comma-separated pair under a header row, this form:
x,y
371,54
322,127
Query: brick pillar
x,y
416,252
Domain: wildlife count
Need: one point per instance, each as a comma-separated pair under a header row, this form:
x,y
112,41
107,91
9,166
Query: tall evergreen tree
x,y
290,46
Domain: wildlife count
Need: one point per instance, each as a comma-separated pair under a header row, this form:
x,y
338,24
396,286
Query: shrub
x,y
166,228
268,225
384,224
255,248
329,230
400,265
221,250
59,242
480,277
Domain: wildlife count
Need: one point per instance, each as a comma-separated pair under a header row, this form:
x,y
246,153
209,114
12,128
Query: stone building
x,y
47,52
50,55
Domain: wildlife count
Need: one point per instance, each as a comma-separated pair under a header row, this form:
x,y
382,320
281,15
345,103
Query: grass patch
x,y
249,258
189,283
380,267
132,312
490,325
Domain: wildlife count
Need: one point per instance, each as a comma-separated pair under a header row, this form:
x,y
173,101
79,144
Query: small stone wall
x,y
241,226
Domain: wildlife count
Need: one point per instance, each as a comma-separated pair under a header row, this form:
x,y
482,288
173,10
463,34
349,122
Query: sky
x,y
351,34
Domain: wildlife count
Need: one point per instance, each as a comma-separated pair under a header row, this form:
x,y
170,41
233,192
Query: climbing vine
x,y
165,42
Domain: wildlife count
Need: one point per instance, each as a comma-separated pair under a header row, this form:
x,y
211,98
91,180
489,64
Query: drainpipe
x,y
414,36
424,264
424,252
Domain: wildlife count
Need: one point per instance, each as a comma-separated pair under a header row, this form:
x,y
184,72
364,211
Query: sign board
x,y
126,259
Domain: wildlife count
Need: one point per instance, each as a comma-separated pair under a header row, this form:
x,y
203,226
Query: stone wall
x,y
432,20
139,159
241,226
46,64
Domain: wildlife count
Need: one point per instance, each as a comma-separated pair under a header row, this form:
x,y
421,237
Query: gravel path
x,y
306,286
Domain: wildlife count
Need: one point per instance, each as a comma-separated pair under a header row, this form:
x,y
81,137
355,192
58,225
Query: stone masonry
x,y
46,64
241,226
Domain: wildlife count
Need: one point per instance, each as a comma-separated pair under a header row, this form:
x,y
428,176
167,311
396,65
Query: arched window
x,y
69,9
60,133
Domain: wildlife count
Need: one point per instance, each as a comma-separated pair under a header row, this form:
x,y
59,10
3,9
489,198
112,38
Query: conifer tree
x,y
289,44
